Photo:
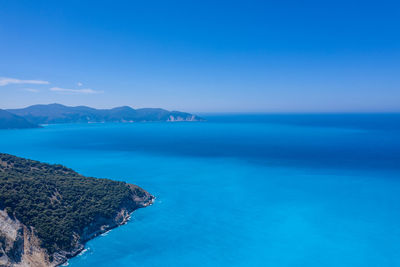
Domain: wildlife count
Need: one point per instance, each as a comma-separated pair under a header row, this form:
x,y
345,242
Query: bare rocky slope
x,y
48,212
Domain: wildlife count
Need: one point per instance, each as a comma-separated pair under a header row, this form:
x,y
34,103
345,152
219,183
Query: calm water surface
x,y
243,190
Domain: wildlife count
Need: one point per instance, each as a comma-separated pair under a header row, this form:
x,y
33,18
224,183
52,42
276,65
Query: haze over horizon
x,y
240,56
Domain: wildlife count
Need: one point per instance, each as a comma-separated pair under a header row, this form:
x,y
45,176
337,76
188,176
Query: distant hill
x,y
12,121
57,113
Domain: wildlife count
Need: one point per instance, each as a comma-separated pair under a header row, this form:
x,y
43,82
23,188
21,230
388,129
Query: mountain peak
x,y
123,108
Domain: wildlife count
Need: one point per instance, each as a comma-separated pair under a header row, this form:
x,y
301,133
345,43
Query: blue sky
x,y
202,56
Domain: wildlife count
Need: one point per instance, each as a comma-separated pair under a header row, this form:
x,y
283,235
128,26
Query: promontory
x,y
48,212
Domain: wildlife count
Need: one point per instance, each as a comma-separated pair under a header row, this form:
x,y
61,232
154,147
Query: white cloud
x,y
5,81
75,91
31,90
79,84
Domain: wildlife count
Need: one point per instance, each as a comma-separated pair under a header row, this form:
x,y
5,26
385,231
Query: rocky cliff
x,y
19,246
48,212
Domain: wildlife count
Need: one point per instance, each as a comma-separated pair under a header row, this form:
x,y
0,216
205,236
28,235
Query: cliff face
x,y
48,212
20,246
140,199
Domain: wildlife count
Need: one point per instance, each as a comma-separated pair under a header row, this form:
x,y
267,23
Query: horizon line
x,y
231,112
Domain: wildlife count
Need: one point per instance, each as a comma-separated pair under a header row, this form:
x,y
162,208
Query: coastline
x,y
126,216
86,207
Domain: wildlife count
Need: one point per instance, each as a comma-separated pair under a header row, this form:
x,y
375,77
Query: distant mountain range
x,y
56,113
12,121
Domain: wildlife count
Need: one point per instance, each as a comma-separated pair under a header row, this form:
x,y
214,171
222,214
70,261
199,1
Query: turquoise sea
x,y
240,190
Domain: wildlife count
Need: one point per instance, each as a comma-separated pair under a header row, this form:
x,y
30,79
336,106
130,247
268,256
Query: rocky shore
x,y
20,246
102,225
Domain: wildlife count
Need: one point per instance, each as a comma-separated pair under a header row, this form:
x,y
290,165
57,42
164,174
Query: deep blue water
x,y
241,190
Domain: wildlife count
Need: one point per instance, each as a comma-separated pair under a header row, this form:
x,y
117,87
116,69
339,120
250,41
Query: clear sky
x,y
202,56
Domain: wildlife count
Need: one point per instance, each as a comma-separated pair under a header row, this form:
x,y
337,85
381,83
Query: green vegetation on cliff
x,y
58,202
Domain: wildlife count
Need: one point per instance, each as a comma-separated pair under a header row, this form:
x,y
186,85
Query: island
x,y
57,113
48,212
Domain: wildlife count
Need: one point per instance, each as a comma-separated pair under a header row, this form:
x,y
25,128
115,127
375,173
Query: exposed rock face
x,y
20,246
48,212
188,117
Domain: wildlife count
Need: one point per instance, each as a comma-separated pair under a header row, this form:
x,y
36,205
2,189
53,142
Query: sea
x,y
313,190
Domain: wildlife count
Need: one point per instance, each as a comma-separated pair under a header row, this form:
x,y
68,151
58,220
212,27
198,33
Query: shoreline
x,y
125,220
